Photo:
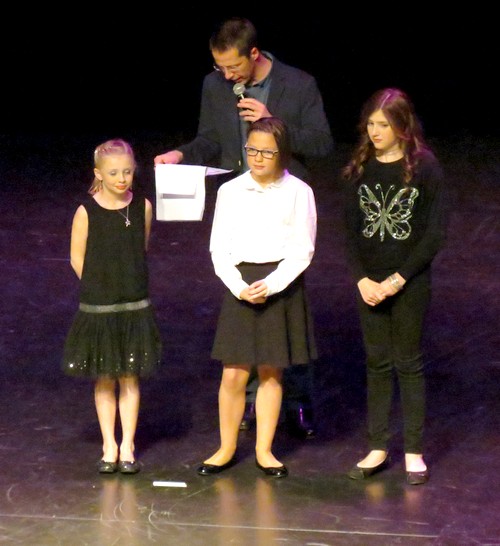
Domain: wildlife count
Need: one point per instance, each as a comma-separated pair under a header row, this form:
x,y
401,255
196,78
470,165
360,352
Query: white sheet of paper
x,y
180,191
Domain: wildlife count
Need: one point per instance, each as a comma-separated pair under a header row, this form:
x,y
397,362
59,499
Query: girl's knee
x,y
410,365
235,378
270,375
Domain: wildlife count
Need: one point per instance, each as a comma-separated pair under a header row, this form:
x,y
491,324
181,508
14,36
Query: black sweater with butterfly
x,y
392,226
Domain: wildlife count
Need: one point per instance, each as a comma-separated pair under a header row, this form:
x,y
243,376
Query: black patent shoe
x,y
361,473
106,467
273,471
210,469
417,478
128,467
248,417
300,422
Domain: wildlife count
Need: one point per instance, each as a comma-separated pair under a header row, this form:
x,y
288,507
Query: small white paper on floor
x,y
159,483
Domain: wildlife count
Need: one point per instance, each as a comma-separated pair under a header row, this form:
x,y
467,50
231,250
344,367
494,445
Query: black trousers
x,y
392,334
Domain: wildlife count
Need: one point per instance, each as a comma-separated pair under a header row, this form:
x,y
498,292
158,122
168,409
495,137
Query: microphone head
x,y
239,89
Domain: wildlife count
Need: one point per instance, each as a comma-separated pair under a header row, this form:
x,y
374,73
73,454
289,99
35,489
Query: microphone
x,y
239,90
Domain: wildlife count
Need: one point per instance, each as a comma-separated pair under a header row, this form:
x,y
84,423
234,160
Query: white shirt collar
x,y
252,185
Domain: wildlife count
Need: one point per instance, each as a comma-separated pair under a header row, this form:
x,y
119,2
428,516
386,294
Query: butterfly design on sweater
x,y
392,217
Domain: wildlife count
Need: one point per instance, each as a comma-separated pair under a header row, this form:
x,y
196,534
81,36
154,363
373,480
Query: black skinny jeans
x,y
392,334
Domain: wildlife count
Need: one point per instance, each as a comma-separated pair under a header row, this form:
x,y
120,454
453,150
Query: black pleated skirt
x,y
277,333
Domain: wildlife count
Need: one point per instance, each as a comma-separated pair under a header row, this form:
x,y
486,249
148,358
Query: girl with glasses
x,y
263,239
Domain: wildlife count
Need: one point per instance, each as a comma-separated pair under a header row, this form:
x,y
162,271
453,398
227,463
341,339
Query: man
x,y
266,88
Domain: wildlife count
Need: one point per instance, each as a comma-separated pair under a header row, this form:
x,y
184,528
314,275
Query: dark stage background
x,y
113,70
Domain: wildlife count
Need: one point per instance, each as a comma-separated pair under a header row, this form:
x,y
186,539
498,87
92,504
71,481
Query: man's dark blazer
x,y
294,97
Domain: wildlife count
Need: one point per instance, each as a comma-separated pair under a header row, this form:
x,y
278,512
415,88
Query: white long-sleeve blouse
x,y
259,225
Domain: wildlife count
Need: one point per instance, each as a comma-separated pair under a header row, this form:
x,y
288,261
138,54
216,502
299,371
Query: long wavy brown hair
x,y
400,113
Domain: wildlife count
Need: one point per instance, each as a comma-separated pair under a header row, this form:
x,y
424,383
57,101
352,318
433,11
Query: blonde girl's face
x,y
264,169
116,173
381,133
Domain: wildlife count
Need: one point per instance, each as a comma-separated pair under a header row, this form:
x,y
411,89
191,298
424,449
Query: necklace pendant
x,y
127,221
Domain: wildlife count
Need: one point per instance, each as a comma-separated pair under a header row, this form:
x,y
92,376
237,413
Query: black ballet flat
x,y
417,478
360,473
106,467
273,471
210,469
128,467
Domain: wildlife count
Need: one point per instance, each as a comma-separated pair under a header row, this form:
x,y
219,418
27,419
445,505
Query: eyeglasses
x,y
225,69
266,154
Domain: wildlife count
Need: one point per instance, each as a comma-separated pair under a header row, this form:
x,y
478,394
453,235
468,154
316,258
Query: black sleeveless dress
x,y
114,332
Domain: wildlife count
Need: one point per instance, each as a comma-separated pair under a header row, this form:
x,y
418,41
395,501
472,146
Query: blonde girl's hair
x,y
116,146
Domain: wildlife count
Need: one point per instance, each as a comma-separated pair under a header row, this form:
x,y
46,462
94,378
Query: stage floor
x,y
49,436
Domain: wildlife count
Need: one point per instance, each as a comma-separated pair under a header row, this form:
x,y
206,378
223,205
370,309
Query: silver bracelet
x,y
395,283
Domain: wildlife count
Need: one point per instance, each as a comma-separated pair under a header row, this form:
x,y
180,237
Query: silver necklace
x,y
127,221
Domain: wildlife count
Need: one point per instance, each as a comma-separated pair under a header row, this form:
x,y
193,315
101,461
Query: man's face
x,y
233,66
